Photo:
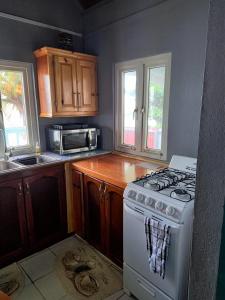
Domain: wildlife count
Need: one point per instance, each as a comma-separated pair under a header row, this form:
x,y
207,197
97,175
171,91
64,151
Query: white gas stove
x,y
166,192
167,196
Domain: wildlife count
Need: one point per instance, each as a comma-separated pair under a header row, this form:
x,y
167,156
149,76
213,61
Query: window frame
x,y
142,66
30,104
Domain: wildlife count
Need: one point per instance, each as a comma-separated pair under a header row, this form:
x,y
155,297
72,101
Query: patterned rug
x,y
85,274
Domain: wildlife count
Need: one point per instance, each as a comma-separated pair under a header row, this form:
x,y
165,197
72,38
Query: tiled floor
x,y
41,281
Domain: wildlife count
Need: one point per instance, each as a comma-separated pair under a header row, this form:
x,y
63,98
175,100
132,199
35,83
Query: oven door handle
x,y
137,213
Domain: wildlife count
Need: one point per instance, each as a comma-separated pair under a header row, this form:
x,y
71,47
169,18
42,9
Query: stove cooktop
x,y
170,182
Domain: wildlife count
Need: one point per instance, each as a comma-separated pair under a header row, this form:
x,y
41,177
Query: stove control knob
x,y
171,211
159,205
141,198
149,201
132,194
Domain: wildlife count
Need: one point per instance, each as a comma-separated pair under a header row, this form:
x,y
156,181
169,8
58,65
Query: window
x,y
129,104
142,105
18,106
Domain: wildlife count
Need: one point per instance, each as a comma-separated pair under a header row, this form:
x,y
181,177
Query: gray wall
x,y
19,40
210,195
65,14
124,30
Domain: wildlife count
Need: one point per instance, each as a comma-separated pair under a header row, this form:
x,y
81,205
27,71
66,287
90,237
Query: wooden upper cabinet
x,y
67,83
87,90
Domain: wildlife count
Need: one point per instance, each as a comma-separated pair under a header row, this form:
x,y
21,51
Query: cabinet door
x,y
114,220
87,89
94,212
78,204
65,85
45,206
12,221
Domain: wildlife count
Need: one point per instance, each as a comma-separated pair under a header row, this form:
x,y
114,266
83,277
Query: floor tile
x,y
65,245
105,258
41,281
50,287
126,297
14,272
39,265
27,280
115,267
72,242
116,296
28,293
68,297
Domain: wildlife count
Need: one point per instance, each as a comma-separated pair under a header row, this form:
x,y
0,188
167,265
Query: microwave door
x,y
75,141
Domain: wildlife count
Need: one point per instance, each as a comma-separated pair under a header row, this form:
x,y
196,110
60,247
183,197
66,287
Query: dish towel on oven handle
x,y
157,240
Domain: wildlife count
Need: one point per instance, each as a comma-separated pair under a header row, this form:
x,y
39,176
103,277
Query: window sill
x,y
164,163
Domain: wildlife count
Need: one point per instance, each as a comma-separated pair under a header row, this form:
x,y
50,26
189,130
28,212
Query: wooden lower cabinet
x,y
104,217
78,203
45,206
114,222
94,212
13,235
32,212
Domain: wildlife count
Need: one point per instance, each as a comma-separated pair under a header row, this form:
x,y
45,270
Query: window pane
x,y
129,104
155,107
13,107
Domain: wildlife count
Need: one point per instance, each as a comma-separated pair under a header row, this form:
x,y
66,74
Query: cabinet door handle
x,y
105,190
79,98
100,187
27,187
20,189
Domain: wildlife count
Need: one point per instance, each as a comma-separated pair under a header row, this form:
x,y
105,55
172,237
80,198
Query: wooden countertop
x,y
117,169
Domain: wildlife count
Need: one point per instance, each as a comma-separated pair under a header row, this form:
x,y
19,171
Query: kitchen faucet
x,y
8,153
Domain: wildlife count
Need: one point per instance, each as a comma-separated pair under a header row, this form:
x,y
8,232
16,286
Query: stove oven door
x,y
136,256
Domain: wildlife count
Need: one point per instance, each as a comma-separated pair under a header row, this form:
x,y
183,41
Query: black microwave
x,y
72,138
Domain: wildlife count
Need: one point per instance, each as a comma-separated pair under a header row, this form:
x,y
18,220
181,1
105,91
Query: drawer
x,y
141,288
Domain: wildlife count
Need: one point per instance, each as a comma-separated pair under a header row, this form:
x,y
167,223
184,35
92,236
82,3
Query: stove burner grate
x,y
180,194
162,179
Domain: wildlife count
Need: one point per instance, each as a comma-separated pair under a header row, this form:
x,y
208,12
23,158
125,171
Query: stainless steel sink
x,y
8,165
34,160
